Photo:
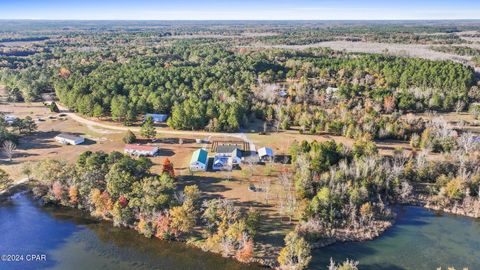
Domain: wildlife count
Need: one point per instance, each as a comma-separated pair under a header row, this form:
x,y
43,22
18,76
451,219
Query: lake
x,y
72,240
69,239
420,239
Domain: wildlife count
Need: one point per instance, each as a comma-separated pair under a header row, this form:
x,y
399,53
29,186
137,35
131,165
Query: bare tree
x,y
251,167
288,201
266,183
9,149
467,142
459,106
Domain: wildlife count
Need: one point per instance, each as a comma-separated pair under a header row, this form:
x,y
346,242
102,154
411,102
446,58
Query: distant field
x,y
409,50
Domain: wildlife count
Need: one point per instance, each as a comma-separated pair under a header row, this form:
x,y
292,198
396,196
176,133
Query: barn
x,y
199,160
141,150
69,139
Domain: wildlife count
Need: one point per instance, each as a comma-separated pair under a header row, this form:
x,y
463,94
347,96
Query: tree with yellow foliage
x,y
296,254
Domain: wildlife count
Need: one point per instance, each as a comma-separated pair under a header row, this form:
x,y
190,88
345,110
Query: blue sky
x,y
239,9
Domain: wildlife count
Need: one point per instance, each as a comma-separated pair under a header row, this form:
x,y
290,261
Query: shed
x,y
199,160
265,153
70,139
236,156
141,150
157,118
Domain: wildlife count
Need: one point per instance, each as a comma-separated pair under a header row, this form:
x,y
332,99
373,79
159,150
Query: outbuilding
x,y
265,154
157,118
199,160
141,150
236,157
69,139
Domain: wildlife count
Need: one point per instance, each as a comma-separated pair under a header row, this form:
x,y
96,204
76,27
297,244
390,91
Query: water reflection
x,y
420,239
72,240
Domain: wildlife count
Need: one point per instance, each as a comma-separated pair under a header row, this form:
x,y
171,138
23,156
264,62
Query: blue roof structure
x,y
158,118
199,155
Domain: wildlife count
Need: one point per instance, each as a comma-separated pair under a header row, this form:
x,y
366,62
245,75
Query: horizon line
x,y
227,20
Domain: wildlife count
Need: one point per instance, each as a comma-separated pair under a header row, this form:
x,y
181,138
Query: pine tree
x,y
148,128
54,108
129,137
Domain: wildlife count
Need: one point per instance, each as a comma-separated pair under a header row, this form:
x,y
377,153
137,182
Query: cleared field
x,y
408,50
42,145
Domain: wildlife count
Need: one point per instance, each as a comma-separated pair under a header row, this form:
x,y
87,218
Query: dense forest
x,y
223,84
209,87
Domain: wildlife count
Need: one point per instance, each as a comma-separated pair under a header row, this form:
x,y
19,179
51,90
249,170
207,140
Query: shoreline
x,y
340,235
469,207
358,235
25,187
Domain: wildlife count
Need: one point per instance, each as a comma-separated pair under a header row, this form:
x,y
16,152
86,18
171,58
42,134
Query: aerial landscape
x,y
239,135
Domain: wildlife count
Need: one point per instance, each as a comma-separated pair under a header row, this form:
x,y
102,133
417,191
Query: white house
x,y
222,163
199,160
70,139
265,153
226,157
141,150
157,118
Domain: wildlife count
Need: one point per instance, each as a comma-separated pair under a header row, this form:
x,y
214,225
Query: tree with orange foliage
x,y
102,201
64,72
73,195
164,232
107,201
168,167
389,104
57,190
245,254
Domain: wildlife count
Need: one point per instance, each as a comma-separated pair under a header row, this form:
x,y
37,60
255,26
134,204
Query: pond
x,y
420,239
70,239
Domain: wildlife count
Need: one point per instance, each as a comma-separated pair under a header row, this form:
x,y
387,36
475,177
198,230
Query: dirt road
x,y
201,134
